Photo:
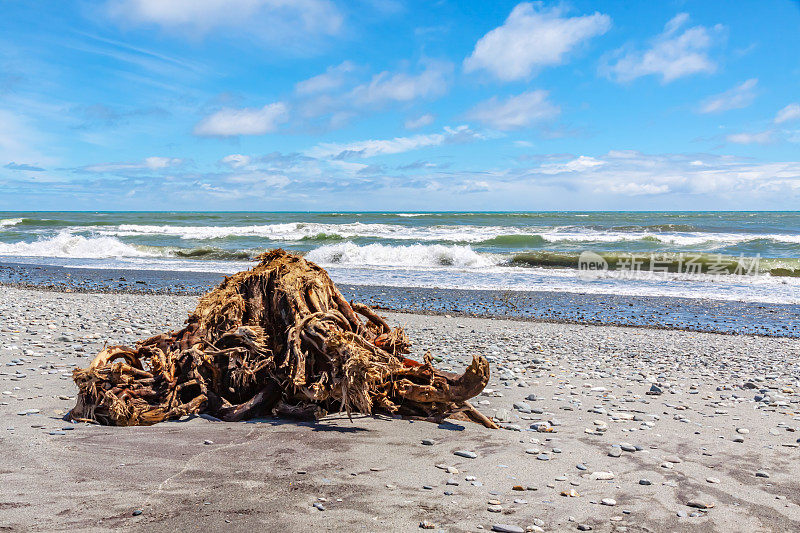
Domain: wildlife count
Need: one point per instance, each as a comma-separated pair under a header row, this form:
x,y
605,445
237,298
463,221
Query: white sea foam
x,y
10,221
65,244
411,256
296,231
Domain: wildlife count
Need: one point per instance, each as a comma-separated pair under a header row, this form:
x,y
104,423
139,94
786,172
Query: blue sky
x,y
390,105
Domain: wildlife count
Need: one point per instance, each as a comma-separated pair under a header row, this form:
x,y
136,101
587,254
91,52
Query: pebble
x,y
465,453
522,406
699,504
506,528
609,501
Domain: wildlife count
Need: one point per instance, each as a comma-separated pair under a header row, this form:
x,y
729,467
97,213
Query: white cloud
x,y
474,186
267,179
236,160
532,37
267,19
402,87
332,99
247,121
515,112
148,163
333,78
155,163
790,112
761,137
419,122
632,173
374,147
671,55
737,98
579,164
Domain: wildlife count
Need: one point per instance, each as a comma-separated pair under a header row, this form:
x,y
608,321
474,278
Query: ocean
x,y
734,256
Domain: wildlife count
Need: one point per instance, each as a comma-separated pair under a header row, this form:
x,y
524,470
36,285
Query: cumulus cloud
x,y
533,37
433,81
335,97
633,173
333,78
673,54
515,112
761,137
738,97
230,122
788,113
579,164
236,160
374,147
419,122
275,20
148,163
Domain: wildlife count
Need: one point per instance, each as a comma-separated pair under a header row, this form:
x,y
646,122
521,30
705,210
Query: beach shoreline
x,y
659,312
709,437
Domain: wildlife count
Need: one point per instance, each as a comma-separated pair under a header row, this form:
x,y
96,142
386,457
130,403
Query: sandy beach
x,y
713,447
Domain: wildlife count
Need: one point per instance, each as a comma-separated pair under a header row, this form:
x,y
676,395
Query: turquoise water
x,y
480,250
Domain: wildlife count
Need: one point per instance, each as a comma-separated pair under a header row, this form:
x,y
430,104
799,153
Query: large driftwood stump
x,y
278,339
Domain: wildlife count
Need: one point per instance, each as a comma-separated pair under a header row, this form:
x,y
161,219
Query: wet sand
x,y
689,313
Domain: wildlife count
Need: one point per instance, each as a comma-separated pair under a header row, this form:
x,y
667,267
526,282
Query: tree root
x,y
278,339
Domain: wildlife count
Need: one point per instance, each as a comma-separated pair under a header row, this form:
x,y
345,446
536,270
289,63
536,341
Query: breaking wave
x,y
506,236
411,256
65,244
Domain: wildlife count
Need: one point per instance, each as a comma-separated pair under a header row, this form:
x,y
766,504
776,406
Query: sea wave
x,y
66,244
410,256
457,234
211,253
10,221
692,263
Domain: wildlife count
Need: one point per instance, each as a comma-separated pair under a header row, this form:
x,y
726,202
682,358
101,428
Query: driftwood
x,y
278,339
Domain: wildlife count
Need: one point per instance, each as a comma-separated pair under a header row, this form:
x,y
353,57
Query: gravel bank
x,y
609,428
689,313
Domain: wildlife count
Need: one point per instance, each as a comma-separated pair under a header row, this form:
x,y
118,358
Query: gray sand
x,y
722,432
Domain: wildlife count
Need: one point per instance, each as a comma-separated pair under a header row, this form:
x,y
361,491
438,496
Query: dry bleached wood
x,y
276,339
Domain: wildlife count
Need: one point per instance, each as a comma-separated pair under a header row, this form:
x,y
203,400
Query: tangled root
x,y
278,339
